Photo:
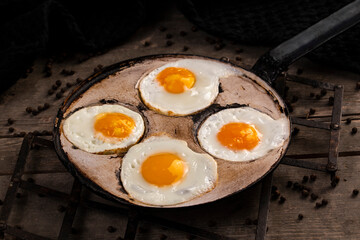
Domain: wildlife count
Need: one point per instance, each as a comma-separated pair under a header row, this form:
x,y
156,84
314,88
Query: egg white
x,y
272,133
200,96
79,129
201,176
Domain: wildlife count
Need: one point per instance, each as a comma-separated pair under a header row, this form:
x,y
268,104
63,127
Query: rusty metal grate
x,y
137,214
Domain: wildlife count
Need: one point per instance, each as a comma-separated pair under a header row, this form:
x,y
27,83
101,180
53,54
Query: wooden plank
x,y
39,160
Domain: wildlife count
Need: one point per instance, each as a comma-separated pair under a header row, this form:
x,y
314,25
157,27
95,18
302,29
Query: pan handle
x,y
278,59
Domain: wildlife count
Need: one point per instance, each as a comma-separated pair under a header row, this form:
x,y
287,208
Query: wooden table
x,y
338,220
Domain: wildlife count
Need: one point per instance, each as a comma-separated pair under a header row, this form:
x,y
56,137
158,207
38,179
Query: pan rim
x,y
111,69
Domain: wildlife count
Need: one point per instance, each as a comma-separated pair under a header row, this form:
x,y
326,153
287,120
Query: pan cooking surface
x,y
117,83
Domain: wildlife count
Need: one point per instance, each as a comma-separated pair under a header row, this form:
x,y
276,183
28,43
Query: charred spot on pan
x,y
220,88
142,107
110,101
118,177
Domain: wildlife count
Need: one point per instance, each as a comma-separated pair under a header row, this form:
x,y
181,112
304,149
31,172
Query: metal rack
x,y
137,214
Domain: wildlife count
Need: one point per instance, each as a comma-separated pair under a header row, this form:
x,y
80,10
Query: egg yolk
x,y
238,136
163,169
114,125
174,79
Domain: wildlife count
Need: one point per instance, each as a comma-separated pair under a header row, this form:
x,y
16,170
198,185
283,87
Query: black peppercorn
x,y
331,101
354,130
324,202
10,121
358,85
273,189
305,193
36,133
323,92
312,95
79,80
69,85
54,87
146,43
22,134
185,48
11,129
40,108
312,177
300,216
29,109
289,184
18,195
348,121
314,196
311,111
295,186
318,97
282,200
275,195
355,192
58,83
59,95
305,179
46,106
168,36
50,92
295,131
62,90
318,205
111,229
238,58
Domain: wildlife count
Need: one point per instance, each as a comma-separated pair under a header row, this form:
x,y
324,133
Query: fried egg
x,y
183,87
164,171
104,129
242,134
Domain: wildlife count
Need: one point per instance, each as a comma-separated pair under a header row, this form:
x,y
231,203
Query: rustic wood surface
x,y
338,220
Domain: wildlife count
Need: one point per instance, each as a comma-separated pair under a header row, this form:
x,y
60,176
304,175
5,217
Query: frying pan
x,y
116,83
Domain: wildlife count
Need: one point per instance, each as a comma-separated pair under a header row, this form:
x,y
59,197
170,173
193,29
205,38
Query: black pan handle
x,y
278,59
